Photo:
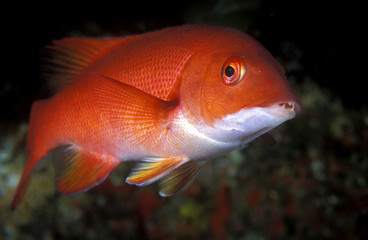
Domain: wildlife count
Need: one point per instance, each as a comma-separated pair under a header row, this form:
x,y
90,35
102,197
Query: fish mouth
x,y
249,123
283,109
290,106
286,110
285,103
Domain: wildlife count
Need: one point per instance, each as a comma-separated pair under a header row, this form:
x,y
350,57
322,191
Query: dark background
x,y
311,185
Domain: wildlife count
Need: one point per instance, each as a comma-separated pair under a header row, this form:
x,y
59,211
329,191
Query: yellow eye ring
x,y
233,71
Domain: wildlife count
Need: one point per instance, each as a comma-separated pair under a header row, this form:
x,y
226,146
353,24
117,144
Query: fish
x,y
170,100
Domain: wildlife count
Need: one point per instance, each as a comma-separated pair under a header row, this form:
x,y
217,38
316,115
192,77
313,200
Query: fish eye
x,y
229,71
233,71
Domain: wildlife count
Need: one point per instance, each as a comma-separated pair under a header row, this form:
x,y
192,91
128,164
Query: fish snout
x,y
286,110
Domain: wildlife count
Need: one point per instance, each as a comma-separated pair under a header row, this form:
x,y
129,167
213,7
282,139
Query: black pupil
x,y
229,71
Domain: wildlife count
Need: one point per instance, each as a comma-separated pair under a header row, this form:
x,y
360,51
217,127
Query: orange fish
x,y
170,99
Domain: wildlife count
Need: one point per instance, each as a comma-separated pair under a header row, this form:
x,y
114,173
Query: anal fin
x,y
180,178
78,170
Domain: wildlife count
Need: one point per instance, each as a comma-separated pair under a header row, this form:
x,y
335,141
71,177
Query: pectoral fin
x,y
138,115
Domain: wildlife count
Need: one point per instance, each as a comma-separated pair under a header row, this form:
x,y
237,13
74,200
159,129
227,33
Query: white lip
x,y
249,123
283,110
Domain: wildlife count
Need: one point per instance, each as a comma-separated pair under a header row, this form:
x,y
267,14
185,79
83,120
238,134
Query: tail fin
x,y
76,169
34,155
21,190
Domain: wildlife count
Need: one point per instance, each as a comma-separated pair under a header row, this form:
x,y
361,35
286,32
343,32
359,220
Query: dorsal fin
x,y
68,57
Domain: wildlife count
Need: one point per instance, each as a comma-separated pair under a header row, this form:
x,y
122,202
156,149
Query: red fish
x,y
170,99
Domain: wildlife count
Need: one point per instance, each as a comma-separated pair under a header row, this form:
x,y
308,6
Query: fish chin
x,y
249,123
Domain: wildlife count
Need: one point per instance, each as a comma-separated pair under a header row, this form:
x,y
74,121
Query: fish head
x,y
242,90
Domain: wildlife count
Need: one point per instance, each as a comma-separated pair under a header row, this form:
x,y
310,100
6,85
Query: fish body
x,y
170,99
